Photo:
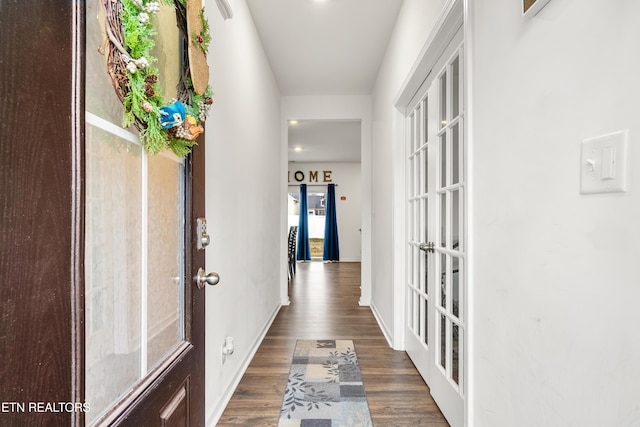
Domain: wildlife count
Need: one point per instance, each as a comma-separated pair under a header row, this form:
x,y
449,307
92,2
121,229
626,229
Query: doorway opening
x,y
316,215
320,153
322,149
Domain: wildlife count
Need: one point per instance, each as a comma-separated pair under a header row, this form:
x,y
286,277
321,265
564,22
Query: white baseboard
x,y
383,326
214,416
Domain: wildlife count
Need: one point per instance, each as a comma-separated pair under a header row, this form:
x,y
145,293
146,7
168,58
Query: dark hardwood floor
x,y
324,305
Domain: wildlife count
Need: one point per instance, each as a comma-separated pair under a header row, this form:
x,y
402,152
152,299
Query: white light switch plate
x,y
603,164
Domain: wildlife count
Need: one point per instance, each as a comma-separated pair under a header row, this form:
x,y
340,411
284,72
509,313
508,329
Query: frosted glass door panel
x,y
112,267
165,266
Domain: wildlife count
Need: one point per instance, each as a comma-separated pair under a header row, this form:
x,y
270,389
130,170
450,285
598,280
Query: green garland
x,y
132,68
203,39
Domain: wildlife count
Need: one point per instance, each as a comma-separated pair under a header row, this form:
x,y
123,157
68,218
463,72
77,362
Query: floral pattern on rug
x,y
325,387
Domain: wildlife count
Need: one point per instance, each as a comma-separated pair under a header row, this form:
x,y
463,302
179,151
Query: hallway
x,y
324,305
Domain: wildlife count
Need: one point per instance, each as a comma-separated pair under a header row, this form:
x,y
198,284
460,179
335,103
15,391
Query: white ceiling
x,y
325,141
330,47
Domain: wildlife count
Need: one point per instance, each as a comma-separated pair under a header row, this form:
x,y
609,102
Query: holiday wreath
x,y
173,124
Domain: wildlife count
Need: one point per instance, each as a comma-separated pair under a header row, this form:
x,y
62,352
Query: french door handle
x,y
202,278
427,247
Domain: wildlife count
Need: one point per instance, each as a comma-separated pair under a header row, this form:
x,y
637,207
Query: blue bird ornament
x,y
172,115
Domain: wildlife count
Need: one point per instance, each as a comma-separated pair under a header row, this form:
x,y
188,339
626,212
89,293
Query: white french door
x,y
435,285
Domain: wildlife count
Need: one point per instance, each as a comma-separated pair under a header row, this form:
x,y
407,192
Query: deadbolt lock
x,y
202,237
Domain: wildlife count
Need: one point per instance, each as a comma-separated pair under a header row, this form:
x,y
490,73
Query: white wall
x,y
413,26
333,107
349,211
556,291
243,179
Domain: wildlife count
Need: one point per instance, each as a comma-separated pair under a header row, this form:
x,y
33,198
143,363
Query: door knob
x,y
202,278
427,247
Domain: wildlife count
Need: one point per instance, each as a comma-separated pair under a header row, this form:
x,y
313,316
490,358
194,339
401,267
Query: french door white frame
x,y
454,17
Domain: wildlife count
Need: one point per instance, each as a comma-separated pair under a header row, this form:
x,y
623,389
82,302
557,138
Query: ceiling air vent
x,y
225,9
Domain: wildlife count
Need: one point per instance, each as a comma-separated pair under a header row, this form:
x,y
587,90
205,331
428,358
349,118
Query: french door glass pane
x,y
411,257
425,120
412,177
410,309
425,235
419,220
420,314
425,167
455,344
425,260
426,321
412,132
418,173
455,286
412,220
422,274
443,100
416,129
416,230
443,280
426,275
455,219
421,223
416,254
443,220
455,87
421,266
443,341
417,301
443,160
455,149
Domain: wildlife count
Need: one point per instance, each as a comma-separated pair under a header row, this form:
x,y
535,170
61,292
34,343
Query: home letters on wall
x,y
312,176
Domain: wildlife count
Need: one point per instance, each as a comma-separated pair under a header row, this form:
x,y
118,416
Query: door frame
x,y
455,14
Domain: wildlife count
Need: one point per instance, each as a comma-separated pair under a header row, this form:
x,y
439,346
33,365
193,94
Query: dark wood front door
x,y
48,286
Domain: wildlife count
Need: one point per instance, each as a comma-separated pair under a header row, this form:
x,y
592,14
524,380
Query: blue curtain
x,y
331,246
304,250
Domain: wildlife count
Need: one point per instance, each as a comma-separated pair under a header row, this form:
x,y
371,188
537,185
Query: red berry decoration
x,y
200,40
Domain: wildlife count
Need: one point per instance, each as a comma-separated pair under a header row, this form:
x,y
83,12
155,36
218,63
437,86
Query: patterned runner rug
x,y
325,387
